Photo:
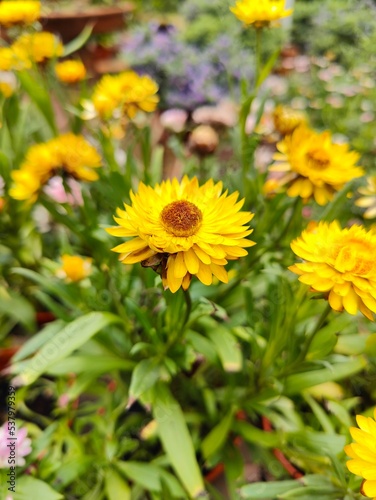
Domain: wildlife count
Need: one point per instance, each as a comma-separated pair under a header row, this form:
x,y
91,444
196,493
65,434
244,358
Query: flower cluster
x,y
126,93
340,263
69,153
13,13
28,49
313,166
260,13
74,267
183,229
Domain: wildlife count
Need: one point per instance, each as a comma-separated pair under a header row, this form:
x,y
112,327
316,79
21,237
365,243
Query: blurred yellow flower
x,y
70,71
260,13
20,12
182,229
313,165
70,153
8,60
6,89
368,200
363,454
127,92
75,268
36,48
286,119
341,263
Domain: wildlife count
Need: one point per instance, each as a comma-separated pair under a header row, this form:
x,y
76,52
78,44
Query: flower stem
x,y
312,334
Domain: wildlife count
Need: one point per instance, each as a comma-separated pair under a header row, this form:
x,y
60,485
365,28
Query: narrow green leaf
x,y
144,376
116,487
29,487
227,348
36,341
294,384
266,69
144,474
267,490
39,95
254,435
79,41
17,307
70,338
217,436
176,440
98,364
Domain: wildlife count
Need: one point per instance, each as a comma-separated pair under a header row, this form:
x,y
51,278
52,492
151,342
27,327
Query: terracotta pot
x,y
70,23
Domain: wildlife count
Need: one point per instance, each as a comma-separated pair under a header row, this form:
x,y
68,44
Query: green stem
x,y
188,302
258,56
311,335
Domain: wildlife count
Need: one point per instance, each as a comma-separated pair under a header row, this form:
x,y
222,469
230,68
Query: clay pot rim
x,y
91,12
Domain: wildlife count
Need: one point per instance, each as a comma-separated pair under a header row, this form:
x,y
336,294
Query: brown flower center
x,y
318,158
181,218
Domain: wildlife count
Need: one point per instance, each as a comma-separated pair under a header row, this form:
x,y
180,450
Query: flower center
x,y
356,257
181,218
318,158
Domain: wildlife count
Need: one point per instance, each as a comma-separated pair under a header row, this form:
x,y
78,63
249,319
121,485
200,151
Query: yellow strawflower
x,y
363,453
5,89
8,59
70,71
182,229
340,263
68,153
313,165
14,13
260,13
286,119
75,268
368,200
126,93
36,48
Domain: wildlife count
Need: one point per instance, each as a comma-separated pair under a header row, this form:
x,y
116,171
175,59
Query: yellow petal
x,y
191,261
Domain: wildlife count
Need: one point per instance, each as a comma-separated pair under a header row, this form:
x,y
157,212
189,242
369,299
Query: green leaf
x,y
217,436
29,487
116,487
310,492
144,376
317,442
78,42
268,490
39,95
322,344
70,338
257,436
147,475
17,307
352,344
294,384
266,69
99,364
176,440
36,341
227,348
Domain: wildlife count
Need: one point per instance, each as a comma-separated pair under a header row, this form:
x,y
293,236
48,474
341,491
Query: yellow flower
x,y
368,201
8,60
363,454
286,119
127,92
36,47
182,229
75,268
313,165
70,71
260,12
13,13
70,153
5,89
341,263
